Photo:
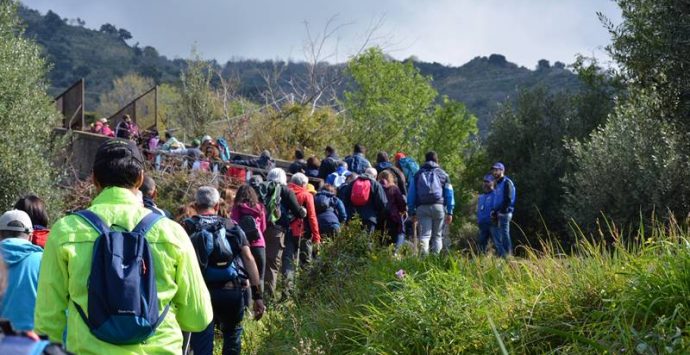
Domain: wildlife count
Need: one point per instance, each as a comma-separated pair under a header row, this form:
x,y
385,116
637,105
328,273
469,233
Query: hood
x,y
383,165
245,209
430,165
14,250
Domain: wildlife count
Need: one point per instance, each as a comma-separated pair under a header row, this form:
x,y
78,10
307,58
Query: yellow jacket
x,y
66,267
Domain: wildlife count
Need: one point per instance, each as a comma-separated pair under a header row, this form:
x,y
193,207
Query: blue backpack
x,y
224,148
123,298
429,187
409,168
213,248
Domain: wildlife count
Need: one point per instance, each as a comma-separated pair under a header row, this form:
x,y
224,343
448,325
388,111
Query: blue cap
x,y
489,178
498,166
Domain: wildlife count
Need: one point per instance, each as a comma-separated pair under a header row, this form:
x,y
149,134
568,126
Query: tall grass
x,y
604,298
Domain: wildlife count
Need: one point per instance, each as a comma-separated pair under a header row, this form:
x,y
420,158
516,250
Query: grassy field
x,y
620,298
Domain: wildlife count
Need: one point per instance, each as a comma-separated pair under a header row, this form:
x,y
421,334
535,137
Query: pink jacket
x,y
259,214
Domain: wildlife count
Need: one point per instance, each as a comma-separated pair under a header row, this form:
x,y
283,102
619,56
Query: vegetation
x,y
26,114
630,298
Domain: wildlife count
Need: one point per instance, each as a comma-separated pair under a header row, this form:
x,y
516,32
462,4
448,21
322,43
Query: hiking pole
x,y
186,337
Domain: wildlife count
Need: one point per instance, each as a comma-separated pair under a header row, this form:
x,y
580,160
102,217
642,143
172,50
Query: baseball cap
x,y
206,138
499,166
489,178
16,216
118,148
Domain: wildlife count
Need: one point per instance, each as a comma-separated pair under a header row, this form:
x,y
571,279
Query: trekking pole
x,y
186,337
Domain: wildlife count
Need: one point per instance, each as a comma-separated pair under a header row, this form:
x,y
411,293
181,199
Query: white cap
x,y
16,216
206,138
371,172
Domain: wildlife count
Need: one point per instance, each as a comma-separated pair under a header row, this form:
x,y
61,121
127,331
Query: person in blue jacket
x,y
330,211
23,261
484,207
502,211
430,199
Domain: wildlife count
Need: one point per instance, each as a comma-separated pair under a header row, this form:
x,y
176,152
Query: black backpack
x,y
249,227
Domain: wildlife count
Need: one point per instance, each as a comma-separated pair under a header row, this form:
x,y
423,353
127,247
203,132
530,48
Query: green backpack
x,y
269,195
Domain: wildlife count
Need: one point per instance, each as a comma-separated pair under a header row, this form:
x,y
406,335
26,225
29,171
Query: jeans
x,y
228,311
485,233
501,235
430,219
293,247
275,243
259,254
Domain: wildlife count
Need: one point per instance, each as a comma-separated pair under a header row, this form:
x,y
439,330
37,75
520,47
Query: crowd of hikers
x,y
125,276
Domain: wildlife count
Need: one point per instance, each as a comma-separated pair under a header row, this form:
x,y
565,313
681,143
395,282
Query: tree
x,y
630,168
109,29
652,47
125,89
27,114
196,106
124,34
390,103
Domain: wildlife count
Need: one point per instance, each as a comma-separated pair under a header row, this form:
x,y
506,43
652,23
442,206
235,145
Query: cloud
x,y
446,31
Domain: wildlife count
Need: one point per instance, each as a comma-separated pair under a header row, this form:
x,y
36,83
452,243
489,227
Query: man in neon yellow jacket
x,y
66,265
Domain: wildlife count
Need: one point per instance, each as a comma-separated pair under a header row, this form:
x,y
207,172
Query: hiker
x,y
329,162
296,240
23,261
101,127
313,165
330,211
429,198
127,129
338,177
485,205
250,214
264,161
407,165
299,165
357,162
72,282
194,155
364,197
210,148
502,211
392,219
172,145
36,209
276,231
384,164
224,276
149,192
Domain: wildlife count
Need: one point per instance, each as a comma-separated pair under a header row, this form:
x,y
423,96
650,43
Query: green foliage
x,y
651,46
530,136
630,167
125,89
391,102
27,115
197,102
620,300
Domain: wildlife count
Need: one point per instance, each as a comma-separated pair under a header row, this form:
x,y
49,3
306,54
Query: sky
x,y
450,32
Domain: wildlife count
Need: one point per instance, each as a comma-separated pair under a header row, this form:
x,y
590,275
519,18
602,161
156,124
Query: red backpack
x,y
361,190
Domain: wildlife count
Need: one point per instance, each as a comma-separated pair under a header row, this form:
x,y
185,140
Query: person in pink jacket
x,y
250,214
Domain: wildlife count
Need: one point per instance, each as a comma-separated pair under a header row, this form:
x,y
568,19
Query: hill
x,y
100,56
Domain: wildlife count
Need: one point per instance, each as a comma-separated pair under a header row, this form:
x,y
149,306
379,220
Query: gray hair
x,y
277,175
207,197
371,172
299,179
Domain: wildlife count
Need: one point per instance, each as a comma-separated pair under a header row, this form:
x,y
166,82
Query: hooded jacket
x,y
23,261
305,199
335,214
258,212
66,266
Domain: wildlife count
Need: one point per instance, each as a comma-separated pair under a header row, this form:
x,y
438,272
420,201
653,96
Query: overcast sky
x,y
445,31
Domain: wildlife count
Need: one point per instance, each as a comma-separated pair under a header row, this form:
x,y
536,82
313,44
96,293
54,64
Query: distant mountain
x,y
100,56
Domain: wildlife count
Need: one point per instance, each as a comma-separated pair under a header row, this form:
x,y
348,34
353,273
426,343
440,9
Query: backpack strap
x,y
147,223
95,221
